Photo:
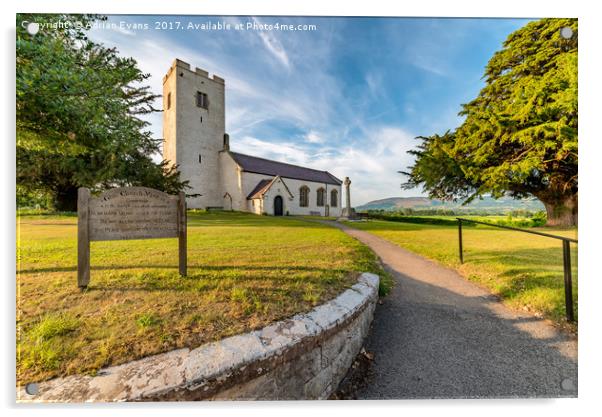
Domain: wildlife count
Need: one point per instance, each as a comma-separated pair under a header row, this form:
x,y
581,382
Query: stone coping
x,y
201,373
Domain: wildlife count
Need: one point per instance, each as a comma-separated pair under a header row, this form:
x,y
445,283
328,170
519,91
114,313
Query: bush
x,y
539,219
37,200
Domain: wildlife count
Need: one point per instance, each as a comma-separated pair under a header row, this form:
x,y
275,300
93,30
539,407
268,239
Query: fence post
x,y
460,240
568,280
182,235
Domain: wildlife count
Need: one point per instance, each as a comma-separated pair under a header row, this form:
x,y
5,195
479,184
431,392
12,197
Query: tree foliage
x,y
519,136
79,115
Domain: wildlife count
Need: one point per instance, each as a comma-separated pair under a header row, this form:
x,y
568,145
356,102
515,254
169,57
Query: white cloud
x,y
124,30
273,45
338,137
310,98
280,151
371,162
430,64
374,82
314,137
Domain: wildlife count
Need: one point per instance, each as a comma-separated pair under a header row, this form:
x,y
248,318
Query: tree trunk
x,y
563,212
66,199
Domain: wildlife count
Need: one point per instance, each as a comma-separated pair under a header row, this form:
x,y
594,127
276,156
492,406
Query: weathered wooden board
x,y
128,213
133,213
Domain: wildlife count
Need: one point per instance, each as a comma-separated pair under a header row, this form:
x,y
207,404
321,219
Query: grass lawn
x,y
513,221
244,271
525,270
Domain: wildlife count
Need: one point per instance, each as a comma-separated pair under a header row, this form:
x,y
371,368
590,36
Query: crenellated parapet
x,y
179,64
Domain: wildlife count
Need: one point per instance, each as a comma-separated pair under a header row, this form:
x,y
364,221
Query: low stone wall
x,y
304,357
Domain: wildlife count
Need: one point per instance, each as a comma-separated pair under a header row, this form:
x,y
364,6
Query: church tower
x,y
194,124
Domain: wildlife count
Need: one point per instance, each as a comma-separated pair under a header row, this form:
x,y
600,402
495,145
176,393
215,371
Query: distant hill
x,y
504,204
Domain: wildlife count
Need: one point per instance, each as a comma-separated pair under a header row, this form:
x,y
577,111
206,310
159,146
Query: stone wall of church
x,y
195,133
194,141
278,189
169,119
250,180
231,183
239,184
255,206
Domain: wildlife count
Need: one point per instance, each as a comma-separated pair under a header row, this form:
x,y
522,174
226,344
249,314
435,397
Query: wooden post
x,y
461,249
568,280
182,238
83,237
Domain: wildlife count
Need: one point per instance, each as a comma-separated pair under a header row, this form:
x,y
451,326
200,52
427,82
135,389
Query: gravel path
x,y
436,335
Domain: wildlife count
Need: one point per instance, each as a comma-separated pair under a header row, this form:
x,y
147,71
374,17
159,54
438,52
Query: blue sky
x,y
348,97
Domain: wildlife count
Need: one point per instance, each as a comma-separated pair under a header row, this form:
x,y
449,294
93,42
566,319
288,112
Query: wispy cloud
x,y
374,83
346,98
372,161
430,64
314,137
273,45
313,101
284,151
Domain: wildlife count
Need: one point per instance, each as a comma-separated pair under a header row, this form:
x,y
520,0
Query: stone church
x,y
194,123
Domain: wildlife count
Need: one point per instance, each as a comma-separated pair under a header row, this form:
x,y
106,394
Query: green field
x,y
244,271
525,270
513,221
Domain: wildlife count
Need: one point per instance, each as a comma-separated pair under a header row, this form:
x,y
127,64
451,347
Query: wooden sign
x,y
128,213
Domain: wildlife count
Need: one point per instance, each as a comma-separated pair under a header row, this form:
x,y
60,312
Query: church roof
x,y
259,189
268,167
263,186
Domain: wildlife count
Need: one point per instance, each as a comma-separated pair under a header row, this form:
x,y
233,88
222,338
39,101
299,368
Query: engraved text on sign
x,y
128,213
133,213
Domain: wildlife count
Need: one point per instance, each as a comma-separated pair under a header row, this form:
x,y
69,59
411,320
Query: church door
x,y
278,206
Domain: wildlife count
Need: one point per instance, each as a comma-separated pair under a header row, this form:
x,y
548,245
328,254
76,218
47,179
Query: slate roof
x,y
259,189
263,186
268,167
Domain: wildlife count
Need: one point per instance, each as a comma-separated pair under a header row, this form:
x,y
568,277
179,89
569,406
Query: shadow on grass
x,y
235,219
206,278
532,253
264,293
534,261
270,286
229,219
539,272
175,266
388,226
44,223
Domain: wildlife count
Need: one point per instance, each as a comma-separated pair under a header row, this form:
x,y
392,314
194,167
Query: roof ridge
x,y
260,190
271,167
259,187
279,162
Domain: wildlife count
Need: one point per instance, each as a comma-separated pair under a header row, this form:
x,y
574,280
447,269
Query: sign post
x,y
182,234
128,213
83,237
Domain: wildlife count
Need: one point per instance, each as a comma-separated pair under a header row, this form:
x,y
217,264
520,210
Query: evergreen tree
x,y
79,108
519,136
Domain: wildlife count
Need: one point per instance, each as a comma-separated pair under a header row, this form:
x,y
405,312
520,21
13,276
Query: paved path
x,y
437,335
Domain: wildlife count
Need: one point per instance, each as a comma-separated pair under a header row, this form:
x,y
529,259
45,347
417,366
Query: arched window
x,y
321,193
334,198
304,196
